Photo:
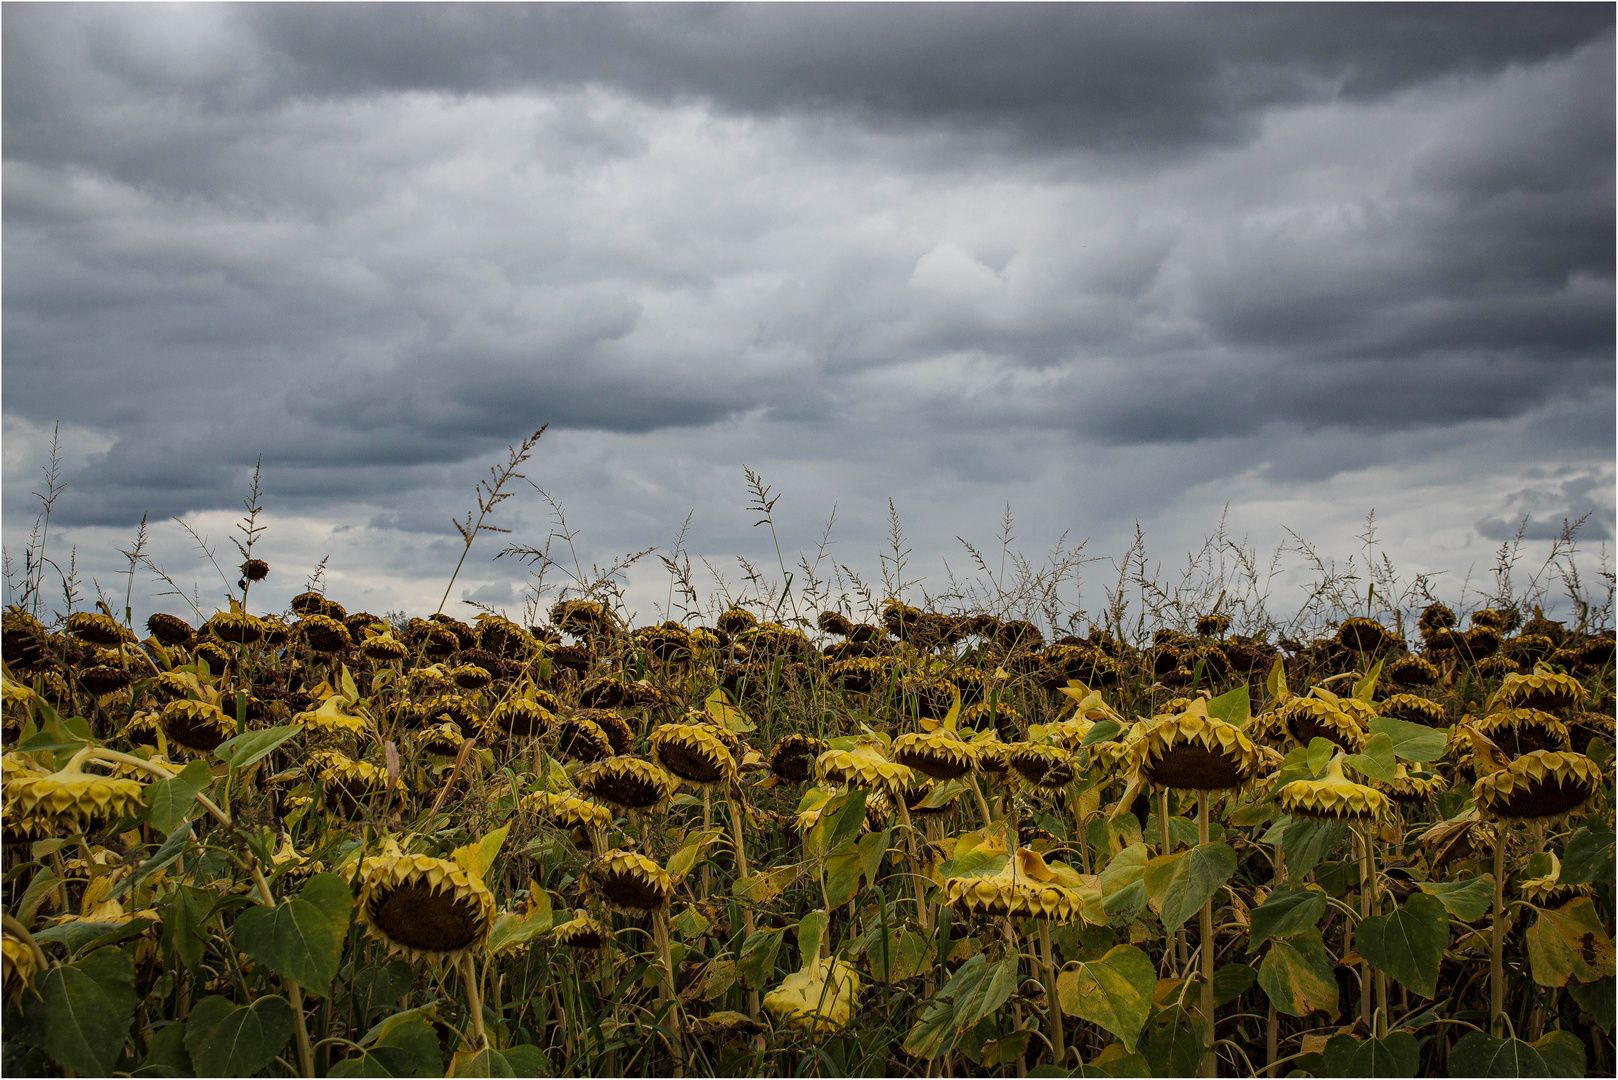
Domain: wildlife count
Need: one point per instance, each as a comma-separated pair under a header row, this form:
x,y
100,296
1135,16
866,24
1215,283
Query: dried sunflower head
x,y
1519,731
1334,796
70,797
102,680
1540,784
504,638
21,965
1541,882
1041,765
940,754
348,783
581,617
98,629
169,630
422,907
579,738
866,765
1027,886
1543,689
1322,715
860,675
1213,625
627,782
213,654
333,718
1414,709
581,932
384,647
1412,784
1433,618
567,811
443,738
519,718
1412,671
631,882
1193,751
792,758
694,752
235,626
323,634
198,726
835,622
471,677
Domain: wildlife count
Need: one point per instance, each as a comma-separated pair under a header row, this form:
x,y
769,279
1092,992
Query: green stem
x,y
1497,959
1209,1062
1053,1008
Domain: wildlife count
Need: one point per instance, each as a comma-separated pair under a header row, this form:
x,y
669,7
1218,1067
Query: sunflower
x,y
1322,715
1412,671
631,882
423,907
1411,784
349,783
520,718
169,630
693,752
199,726
1540,784
323,634
384,647
866,765
626,781
471,677
1545,690
792,758
1027,886
1196,752
70,797
1334,796
581,932
504,638
819,997
1041,765
619,734
1435,617
860,675
581,617
235,626
1362,635
453,707
581,739
1213,625
212,654
941,753
142,727
1546,888
835,622
1497,667
102,680
443,738
567,811
333,718
1519,731
1414,709
21,965
98,629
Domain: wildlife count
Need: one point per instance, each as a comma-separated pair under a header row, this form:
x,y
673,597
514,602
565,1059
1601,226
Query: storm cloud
x,y
1109,263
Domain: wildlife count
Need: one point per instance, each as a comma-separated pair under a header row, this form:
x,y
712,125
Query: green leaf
x,y
1284,912
1320,753
989,994
1398,1054
1569,944
1114,992
1563,1053
1101,731
1122,884
1597,999
168,802
1377,760
80,936
250,746
811,929
166,1055
302,939
489,1062
1407,943
899,955
1365,689
1178,885
1479,1054
1589,856
1465,898
185,919
1232,981
171,849
1297,976
975,991
1305,843
80,1016
843,872
230,1040
1233,706
758,957
416,1039
1174,1042
1411,742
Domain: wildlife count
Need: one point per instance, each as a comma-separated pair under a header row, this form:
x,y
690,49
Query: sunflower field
x,y
863,839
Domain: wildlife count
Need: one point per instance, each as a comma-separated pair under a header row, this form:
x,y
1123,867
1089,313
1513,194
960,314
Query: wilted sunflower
x,y
504,638
1520,731
348,783
236,627
792,758
1540,784
1334,796
619,734
818,998
605,692
631,882
860,675
97,629
1435,617
581,739
453,707
443,738
169,630
1414,709
1003,718
1362,635
567,811
1411,784
470,677
520,718
941,753
333,718
626,781
581,617
1027,886
423,907
835,622
693,752
1412,671
1321,715
323,634
581,932
102,680
1497,666
143,727
21,965
1041,765
1545,888
1193,751
213,654
199,726
866,765
1213,625
70,797
384,647
1543,689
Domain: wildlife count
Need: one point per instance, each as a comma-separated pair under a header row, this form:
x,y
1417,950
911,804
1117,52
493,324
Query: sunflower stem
x,y
1497,958
1367,910
1167,846
474,1000
1206,946
665,989
1053,1008
736,821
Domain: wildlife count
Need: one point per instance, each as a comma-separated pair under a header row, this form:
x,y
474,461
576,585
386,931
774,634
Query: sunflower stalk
x,y
1053,1008
1206,947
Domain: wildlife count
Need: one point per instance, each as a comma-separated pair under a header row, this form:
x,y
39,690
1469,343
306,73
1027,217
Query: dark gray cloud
x,y
1279,249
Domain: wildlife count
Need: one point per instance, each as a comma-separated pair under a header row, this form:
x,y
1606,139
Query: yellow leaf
x,y
478,857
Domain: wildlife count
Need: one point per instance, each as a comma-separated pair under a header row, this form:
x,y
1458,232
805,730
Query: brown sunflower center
x,y
631,892
690,763
1191,766
419,916
1549,796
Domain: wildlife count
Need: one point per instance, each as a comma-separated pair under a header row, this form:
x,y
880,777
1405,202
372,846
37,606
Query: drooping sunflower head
x,y
1026,886
1540,784
631,882
423,907
1041,765
940,754
1334,796
860,675
567,811
350,784
1435,617
97,629
735,620
792,758
1519,731
443,738
1362,635
70,798
169,630
1414,709
818,998
199,726
581,932
1213,625
693,752
626,781
520,718
322,634
1412,784
579,738
1412,670
835,622
504,638
102,680
236,627
866,765
213,654
1322,715
384,647
1193,751
21,965
1541,882
470,676
1543,689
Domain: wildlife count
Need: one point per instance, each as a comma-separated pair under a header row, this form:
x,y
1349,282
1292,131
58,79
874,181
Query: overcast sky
x,y
1106,265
